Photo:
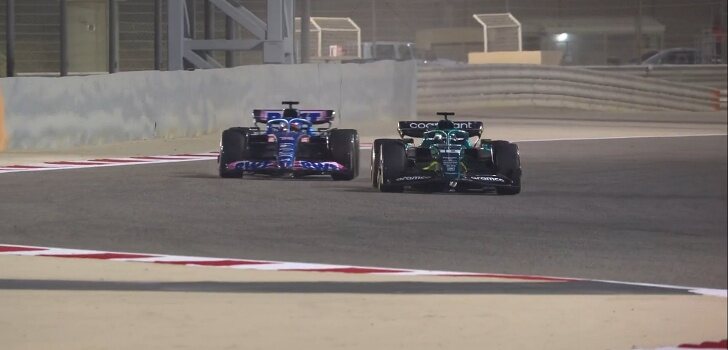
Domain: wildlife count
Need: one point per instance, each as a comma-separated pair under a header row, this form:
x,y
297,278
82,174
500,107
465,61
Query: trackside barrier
x,y
475,86
53,113
3,133
710,75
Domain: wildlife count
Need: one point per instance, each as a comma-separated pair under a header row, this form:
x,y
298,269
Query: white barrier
x,y
52,113
710,75
476,86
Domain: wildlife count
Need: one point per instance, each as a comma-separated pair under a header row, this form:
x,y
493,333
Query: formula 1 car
x,y
290,144
446,159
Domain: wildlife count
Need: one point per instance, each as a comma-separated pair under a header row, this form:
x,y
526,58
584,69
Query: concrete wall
x,y
709,75
53,113
504,85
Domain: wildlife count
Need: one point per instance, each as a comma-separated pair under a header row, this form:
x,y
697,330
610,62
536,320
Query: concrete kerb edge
x,y
10,249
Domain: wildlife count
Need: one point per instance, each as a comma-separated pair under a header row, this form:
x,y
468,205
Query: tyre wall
x,y
57,113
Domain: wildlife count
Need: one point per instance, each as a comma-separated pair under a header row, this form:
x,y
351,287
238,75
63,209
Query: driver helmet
x,y
278,126
438,138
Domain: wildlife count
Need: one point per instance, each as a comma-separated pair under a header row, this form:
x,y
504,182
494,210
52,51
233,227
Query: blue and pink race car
x,y
291,143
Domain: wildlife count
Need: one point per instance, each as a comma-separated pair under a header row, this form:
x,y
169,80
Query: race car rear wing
x,y
417,128
318,116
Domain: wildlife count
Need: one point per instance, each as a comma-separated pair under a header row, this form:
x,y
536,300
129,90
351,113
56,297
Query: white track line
x,y
107,162
251,264
267,265
722,293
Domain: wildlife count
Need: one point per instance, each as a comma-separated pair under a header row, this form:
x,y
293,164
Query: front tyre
x,y
233,145
392,163
376,151
508,164
344,144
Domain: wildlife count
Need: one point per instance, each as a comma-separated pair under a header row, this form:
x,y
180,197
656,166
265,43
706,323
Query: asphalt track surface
x,y
367,287
643,210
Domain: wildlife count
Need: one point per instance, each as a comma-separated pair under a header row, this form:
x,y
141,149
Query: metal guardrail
x,y
476,86
711,75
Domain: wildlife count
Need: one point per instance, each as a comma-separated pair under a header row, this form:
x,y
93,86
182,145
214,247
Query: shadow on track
x,y
369,189
472,288
253,177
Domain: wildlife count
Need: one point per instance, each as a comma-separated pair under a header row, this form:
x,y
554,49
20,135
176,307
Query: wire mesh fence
x,y
331,38
501,32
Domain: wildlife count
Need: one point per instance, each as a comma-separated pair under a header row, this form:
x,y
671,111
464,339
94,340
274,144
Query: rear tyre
x,y
392,163
508,164
344,145
234,144
376,159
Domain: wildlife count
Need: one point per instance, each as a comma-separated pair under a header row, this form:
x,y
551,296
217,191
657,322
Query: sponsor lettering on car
x,y
250,165
317,166
313,116
421,125
412,178
487,179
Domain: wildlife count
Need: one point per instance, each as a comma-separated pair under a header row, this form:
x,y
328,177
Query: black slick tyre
x,y
344,144
392,163
508,164
376,151
233,145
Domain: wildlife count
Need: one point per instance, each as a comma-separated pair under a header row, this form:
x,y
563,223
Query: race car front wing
x,y
263,166
479,180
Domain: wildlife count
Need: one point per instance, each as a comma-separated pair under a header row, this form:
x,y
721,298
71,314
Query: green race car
x,y
451,157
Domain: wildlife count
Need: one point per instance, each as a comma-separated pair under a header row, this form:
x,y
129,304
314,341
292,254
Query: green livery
x,y
452,156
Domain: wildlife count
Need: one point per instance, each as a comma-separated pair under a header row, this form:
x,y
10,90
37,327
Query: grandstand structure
x,y
665,24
